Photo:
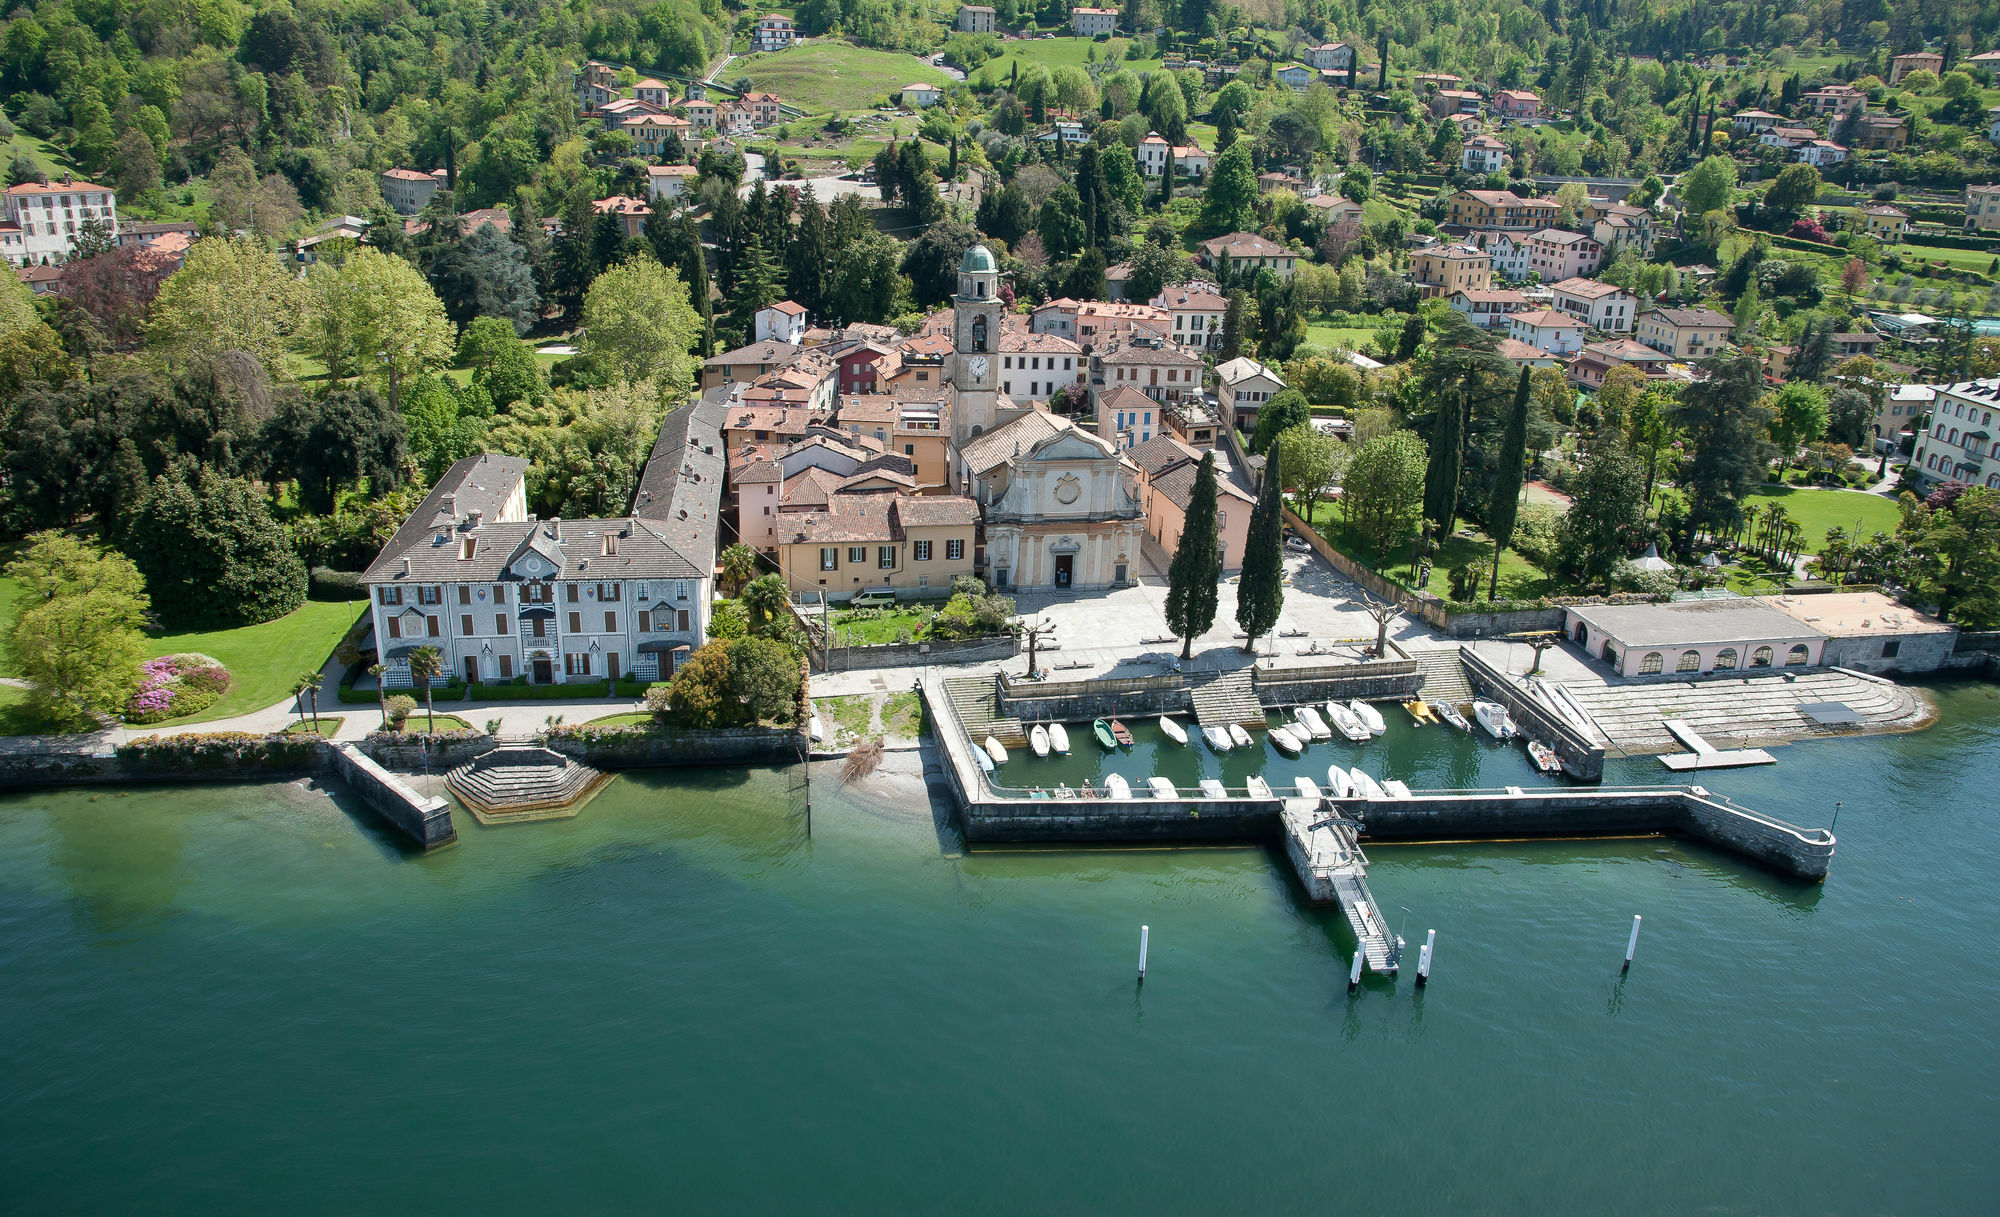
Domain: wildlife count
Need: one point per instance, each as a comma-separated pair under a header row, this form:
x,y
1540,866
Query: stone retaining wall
x,y
666,747
1585,758
427,821
439,752
915,654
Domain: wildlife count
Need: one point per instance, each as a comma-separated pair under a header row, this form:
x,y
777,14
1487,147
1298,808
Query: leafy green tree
x,y
374,315
1314,464
1798,417
764,679
212,555
638,321
931,261
1060,224
1287,409
1955,556
444,423
1229,198
1796,189
1707,186
230,294
501,363
334,443
1605,514
1193,576
1382,495
75,636
1260,590
1505,505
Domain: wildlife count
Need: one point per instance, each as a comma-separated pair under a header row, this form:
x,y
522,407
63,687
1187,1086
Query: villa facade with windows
x,y
506,597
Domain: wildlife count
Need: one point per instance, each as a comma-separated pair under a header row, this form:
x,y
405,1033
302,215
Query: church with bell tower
x,y
1059,506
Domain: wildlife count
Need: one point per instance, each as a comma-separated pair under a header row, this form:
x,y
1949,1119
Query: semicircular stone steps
x,y
516,782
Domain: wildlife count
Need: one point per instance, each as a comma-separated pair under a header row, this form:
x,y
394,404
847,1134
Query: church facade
x,y
1060,507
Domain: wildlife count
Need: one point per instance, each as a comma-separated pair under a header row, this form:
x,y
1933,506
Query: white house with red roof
x,y
45,218
784,321
775,32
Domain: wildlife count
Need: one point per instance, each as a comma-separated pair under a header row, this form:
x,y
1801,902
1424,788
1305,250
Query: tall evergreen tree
x,y
1232,328
808,255
1441,476
1260,591
756,286
1194,576
1505,506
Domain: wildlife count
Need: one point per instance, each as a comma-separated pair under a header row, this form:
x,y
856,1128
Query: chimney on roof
x,y
474,518
450,504
406,566
555,528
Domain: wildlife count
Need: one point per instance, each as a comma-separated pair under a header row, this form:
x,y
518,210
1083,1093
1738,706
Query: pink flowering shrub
x,y
175,686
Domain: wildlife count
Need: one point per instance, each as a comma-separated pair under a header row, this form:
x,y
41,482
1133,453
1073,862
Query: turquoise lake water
x,y
229,999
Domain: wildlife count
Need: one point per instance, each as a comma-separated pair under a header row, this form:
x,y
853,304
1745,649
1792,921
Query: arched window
x,y
1725,659
1798,656
1653,662
1582,631
979,332
1690,661
1761,657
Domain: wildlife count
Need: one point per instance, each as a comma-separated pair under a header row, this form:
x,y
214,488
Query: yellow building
x,y
1885,224
1440,270
874,540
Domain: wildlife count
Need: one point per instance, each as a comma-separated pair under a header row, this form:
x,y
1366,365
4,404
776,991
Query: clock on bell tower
x,y
977,315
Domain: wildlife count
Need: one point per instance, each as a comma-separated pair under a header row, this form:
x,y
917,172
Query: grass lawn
x,y
850,714
10,594
878,629
820,77
1519,578
264,660
1053,53
1974,260
1351,337
328,725
52,162
902,714
623,720
419,721
1818,510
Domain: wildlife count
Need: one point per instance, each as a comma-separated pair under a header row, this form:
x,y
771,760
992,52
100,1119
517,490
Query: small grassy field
x,y
1519,578
10,596
1818,510
851,714
419,721
52,162
820,77
902,715
1974,260
879,628
328,726
623,720
1349,337
1054,53
264,660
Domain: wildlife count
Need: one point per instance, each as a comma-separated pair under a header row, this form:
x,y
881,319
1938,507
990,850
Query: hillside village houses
x,y
1167,469
1558,333
1482,154
1439,270
1189,160
1604,306
1691,334
774,32
1885,223
975,19
1246,253
1982,208
1242,385
406,191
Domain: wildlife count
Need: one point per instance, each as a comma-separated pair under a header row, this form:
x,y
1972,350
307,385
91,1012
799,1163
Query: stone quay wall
x,y
1379,680
1047,701
427,821
439,751
666,747
1585,758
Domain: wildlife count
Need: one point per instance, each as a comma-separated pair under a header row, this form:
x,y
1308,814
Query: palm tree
x,y
309,686
305,680
381,692
764,601
425,665
739,564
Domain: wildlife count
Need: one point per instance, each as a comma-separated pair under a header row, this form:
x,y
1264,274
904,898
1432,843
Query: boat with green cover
x,y
1101,728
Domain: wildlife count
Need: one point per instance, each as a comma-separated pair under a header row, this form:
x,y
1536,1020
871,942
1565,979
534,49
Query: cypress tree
x,y
1260,591
1441,476
1505,505
1192,579
1232,329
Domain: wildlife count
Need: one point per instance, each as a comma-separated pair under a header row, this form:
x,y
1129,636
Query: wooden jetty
x,y
1706,755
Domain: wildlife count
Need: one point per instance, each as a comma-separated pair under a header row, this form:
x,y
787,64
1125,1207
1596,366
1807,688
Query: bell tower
x,y
977,314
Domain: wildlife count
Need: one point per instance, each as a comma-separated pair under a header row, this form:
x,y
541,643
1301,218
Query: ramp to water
x,y
1333,869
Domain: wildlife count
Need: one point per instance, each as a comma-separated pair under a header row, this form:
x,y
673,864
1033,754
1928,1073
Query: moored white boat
x,y
985,761
1286,742
1259,788
1058,739
1345,722
1307,788
1338,783
1396,789
1038,739
1368,716
996,750
1117,787
1162,788
1366,787
1545,757
816,727
1449,713
1213,789
1238,736
1494,718
1315,725
1217,738
1174,730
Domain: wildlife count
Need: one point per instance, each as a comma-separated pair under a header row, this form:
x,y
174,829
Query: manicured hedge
x,y
339,586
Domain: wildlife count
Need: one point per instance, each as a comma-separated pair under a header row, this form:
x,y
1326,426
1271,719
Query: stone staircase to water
x,y
1729,710
978,707
1229,699
1444,675
524,782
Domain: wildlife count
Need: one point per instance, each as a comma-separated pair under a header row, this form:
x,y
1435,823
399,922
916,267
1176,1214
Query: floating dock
x,y
1706,755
